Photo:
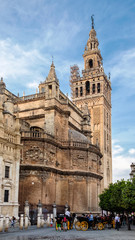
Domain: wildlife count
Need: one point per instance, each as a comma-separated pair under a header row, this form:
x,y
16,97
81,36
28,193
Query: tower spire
x,y
52,74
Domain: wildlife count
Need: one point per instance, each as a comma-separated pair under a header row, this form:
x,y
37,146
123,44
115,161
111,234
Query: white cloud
x,y
25,67
132,151
117,149
15,60
123,70
33,85
20,65
58,38
121,162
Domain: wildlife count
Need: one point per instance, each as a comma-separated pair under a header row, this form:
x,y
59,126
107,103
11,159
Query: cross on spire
x,y
92,20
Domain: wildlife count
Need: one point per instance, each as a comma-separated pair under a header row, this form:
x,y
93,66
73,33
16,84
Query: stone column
x,y
26,221
54,211
42,220
66,206
26,208
39,214
6,223
38,221
39,208
1,223
26,212
48,219
21,222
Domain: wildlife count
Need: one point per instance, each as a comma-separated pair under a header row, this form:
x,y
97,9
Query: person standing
x,y
117,222
67,214
58,223
13,221
64,223
91,217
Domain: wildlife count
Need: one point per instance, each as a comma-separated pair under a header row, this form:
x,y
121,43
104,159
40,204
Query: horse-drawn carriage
x,y
83,223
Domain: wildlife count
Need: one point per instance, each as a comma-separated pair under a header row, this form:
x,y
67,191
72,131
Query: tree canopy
x,y
119,197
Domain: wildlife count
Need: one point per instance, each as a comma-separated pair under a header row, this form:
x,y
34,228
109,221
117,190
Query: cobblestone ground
x,y
50,234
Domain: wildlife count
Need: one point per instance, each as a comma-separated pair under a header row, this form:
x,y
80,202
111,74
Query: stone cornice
x,y
58,171
33,117
55,107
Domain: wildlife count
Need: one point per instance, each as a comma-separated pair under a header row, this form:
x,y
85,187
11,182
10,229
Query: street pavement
x,y
49,233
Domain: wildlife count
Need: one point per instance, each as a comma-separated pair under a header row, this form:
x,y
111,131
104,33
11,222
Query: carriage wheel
x,y
94,226
78,226
100,226
84,225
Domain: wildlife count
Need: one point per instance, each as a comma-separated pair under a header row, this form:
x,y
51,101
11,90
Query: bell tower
x,y
94,89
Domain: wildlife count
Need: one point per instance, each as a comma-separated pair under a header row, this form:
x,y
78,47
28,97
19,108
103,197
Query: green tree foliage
x,y
119,197
128,196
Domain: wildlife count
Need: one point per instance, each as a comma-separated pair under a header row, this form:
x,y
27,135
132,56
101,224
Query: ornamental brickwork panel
x,y
96,138
96,115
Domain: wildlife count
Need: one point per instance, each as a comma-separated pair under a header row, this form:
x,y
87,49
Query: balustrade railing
x,y
32,96
45,135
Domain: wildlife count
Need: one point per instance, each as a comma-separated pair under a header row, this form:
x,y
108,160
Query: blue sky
x,y
33,31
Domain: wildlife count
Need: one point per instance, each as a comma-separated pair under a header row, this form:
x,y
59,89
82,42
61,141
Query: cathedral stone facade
x,y
65,150
10,148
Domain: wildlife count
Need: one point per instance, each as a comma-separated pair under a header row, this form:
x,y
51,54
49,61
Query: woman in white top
x,y
117,222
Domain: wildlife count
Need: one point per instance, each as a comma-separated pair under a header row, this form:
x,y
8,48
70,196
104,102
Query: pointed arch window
x,y
50,90
81,91
87,87
98,88
36,131
76,92
93,88
91,63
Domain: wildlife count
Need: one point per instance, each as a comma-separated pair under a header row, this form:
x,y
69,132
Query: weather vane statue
x,y
92,20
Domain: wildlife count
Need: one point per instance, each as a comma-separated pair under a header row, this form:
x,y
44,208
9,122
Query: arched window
x,y
42,89
93,88
91,63
81,91
36,131
98,88
50,90
91,45
76,92
87,87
